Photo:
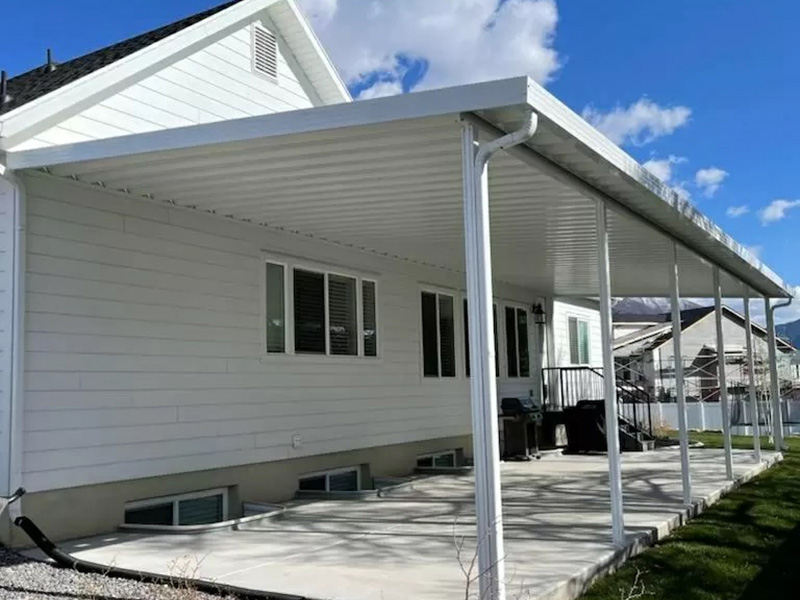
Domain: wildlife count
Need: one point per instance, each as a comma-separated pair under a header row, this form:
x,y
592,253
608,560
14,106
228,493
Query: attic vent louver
x,y
265,52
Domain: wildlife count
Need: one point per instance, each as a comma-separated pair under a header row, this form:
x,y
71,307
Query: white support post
x,y
609,381
680,393
751,375
774,382
722,377
483,388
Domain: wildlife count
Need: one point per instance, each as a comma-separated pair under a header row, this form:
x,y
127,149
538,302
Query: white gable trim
x,y
49,110
338,88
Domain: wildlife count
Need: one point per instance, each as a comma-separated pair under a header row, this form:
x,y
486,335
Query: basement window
x,y
265,52
437,459
347,479
198,508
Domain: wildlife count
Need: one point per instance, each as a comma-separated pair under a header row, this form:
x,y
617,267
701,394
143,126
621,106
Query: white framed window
x,y
196,508
347,479
438,334
578,341
315,311
467,366
264,57
446,458
518,362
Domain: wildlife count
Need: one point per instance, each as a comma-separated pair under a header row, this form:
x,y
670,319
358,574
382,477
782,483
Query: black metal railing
x,y
566,386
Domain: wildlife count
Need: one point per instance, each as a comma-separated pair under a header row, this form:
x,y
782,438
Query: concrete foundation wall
x,y
94,509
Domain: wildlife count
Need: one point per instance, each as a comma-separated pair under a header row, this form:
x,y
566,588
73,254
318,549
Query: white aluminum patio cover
x,y
385,175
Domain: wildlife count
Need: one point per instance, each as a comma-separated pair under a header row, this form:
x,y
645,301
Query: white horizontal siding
x,y
144,351
214,84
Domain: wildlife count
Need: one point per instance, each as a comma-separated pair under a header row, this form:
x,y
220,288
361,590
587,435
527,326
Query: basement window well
x,y
437,459
337,480
197,508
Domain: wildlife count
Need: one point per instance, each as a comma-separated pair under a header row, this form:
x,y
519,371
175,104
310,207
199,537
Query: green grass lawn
x,y
745,547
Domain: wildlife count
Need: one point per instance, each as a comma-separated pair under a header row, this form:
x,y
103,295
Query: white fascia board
x,y
444,102
41,114
343,94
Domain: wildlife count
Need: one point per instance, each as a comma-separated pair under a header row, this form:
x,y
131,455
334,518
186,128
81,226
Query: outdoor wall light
x,y
539,316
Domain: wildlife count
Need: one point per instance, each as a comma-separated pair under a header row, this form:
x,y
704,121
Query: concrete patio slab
x,y
556,521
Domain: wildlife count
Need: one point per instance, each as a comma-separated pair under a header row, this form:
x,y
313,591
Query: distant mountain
x,y
790,331
647,306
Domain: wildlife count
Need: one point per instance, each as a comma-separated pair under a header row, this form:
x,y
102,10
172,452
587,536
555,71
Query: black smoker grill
x,y
518,414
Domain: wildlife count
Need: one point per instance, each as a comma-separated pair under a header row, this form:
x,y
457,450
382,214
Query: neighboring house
x,y
181,361
644,357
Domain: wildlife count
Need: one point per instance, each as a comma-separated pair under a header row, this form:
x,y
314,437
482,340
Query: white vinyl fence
x,y
707,416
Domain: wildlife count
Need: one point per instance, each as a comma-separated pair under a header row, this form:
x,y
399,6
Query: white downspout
x,y
775,389
483,383
14,421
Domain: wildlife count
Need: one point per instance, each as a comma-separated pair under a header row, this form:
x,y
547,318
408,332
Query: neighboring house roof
x,y
42,99
660,332
37,82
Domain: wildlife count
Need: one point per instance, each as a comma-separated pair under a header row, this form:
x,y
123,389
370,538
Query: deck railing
x,y
566,386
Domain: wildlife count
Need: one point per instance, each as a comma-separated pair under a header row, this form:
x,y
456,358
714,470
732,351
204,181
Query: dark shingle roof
x,y
38,82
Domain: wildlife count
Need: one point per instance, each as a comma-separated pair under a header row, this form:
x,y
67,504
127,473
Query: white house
x,y
644,355
223,281
170,351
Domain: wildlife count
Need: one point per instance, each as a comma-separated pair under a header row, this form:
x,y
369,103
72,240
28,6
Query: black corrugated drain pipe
x,y
67,561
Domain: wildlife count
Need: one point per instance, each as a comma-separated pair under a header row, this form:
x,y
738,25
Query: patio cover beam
x,y
722,378
751,375
609,381
680,392
775,387
483,380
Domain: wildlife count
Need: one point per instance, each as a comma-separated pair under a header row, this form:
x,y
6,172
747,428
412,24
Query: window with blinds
x,y
309,312
517,353
369,318
438,335
466,340
342,310
327,313
578,341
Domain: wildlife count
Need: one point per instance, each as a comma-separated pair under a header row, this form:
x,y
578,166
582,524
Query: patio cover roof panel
x,y
385,176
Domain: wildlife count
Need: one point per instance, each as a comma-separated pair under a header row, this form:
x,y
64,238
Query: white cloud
x,y
776,210
320,12
381,89
662,167
737,211
640,123
709,180
462,41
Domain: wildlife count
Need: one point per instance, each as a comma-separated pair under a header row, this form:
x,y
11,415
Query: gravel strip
x,y
23,578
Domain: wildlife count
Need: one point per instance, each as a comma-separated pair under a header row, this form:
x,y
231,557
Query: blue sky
x,y
732,67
